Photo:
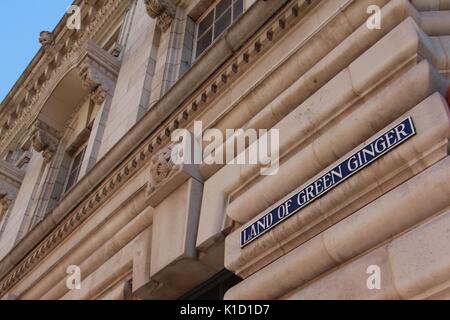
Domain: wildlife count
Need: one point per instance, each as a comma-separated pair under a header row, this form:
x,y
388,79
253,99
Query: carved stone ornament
x,y
44,141
165,20
5,202
161,10
99,95
46,38
161,169
154,8
166,176
98,71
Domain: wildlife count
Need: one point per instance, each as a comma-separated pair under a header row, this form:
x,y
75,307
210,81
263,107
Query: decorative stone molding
x,y
44,140
46,38
98,71
161,10
166,176
235,66
162,168
154,8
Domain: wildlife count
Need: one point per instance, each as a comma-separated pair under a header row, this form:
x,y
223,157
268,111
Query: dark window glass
x,y
222,6
204,42
205,24
214,288
75,169
238,9
223,23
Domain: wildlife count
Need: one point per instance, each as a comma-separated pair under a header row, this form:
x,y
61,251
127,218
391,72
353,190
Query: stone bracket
x,y
45,139
166,176
98,71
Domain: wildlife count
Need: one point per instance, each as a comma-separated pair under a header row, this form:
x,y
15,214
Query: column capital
x,y
163,11
44,140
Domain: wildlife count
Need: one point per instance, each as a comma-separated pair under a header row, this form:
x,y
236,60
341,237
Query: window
x,y
75,168
215,21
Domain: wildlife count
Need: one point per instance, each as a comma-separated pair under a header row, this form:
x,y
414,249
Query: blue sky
x,y
21,21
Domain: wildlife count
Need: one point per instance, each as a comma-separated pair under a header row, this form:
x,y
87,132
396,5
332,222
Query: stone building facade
x,y
87,181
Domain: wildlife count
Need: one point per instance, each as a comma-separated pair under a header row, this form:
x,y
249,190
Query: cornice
x,y
258,44
62,51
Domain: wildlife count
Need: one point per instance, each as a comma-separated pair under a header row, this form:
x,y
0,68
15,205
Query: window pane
x,y
75,169
238,8
204,42
205,24
71,180
223,23
77,161
222,6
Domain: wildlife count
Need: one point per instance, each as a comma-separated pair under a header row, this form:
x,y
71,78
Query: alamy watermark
x,y
74,19
236,146
374,21
374,280
73,281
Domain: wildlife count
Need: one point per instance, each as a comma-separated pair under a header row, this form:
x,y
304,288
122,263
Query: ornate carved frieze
x,y
161,10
